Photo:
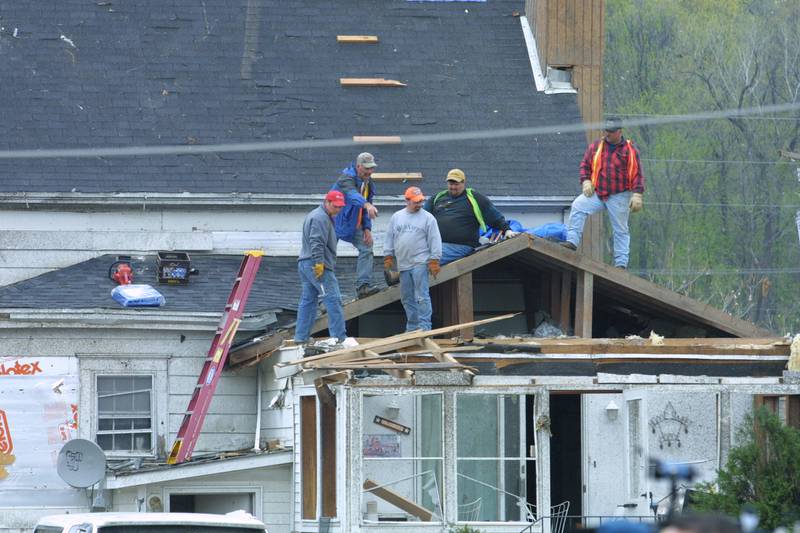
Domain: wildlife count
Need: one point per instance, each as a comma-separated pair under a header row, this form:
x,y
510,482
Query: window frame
x,y
133,431
256,492
154,365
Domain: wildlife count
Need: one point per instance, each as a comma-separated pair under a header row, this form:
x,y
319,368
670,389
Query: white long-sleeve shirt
x,y
412,238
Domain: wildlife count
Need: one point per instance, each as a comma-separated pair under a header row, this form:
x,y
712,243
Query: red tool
x,y
121,272
195,414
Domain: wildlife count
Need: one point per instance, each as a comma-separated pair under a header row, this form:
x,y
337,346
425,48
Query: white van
x,y
236,522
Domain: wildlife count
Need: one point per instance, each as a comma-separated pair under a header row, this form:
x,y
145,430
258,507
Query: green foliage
x,y
720,203
764,471
464,529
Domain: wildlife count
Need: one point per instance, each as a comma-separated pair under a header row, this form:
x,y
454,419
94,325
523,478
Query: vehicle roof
x,y
110,519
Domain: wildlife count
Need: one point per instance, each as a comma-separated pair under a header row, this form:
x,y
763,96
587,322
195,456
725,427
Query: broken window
x,y
125,413
495,456
402,458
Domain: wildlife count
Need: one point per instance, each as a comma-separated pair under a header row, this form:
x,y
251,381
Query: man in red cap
x,y
413,239
315,265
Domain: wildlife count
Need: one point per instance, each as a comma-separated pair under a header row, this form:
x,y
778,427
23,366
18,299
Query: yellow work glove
x,y
588,189
434,268
636,202
388,262
319,268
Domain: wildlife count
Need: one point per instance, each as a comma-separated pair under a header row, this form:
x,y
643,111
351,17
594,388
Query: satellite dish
x,y
81,463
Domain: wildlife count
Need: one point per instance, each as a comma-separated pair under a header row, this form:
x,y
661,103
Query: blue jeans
x,y
416,298
451,252
365,259
328,287
618,211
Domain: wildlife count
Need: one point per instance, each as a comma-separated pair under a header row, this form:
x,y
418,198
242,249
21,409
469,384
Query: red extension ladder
x,y
215,361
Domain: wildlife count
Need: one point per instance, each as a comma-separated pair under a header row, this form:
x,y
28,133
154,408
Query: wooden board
x,y
398,501
370,82
396,176
376,139
308,446
357,39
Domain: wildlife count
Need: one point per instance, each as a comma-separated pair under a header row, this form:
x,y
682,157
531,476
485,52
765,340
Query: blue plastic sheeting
x,y
555,231
137,296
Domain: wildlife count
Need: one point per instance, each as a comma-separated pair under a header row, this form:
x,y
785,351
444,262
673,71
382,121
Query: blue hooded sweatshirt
x,y
350,185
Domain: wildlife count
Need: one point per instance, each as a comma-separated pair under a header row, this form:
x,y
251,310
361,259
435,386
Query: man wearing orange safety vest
x,y
611,179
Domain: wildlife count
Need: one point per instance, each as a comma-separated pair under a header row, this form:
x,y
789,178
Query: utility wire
x,y
715,272
274,146
734,162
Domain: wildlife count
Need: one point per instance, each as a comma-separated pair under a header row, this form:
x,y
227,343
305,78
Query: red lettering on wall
x,y
21,369
6,445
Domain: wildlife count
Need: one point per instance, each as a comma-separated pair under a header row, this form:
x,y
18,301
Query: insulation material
x,y
38,414
794,355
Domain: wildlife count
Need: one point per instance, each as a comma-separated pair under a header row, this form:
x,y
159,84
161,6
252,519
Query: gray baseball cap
x,y
366,160
612,124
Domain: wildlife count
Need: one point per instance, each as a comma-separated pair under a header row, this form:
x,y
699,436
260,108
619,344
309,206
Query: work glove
x,y
636,202
510,233
388,262
319,268
588,188
434,268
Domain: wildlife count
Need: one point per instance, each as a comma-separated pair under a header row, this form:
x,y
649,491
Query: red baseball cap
x,y
414,194
336,198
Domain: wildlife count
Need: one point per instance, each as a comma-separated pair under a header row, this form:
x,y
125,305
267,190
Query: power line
x,y
751,206
729,161
669,115
275,146
715,272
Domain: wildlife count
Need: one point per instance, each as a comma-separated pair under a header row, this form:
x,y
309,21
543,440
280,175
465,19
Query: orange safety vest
x,y
365,194
597,162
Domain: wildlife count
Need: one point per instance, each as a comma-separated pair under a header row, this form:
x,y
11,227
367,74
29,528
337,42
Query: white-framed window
x,y
402,453
123,403
124,413
214,499
494,455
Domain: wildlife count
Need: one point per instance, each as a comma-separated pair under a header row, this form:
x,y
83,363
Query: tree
x,y
764,471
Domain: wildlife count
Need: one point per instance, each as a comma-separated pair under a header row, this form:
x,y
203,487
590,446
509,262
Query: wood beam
x,y
565,305
357,39
370,82
308,447
377,139
396,176
584,300
458,305
398,501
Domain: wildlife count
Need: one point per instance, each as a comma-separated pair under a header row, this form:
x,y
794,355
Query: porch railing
x,y
562,524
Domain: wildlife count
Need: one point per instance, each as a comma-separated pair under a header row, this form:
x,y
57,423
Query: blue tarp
x,y
137,296
555,231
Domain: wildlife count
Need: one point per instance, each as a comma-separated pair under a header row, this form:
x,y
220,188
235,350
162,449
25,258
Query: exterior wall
x,y
230,424
271,485
33,242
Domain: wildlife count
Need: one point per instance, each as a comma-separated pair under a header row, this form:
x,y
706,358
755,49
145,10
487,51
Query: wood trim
x,y
566,302
793,410
308,452
357,39
328,430
584,301
370,82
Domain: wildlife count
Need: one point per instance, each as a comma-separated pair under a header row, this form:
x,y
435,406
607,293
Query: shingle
x,y
460,67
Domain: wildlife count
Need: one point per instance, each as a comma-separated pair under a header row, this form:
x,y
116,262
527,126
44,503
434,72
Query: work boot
x,y
567,244
391,277
621,267
366,290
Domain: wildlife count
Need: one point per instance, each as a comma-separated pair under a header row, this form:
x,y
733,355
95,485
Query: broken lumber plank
x,y
392,343
396,176
357,39
370,82
324,393
377,139
397,366
442,356
398,501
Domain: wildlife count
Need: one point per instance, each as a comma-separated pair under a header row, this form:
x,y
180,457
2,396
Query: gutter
x,y
144,200
128,319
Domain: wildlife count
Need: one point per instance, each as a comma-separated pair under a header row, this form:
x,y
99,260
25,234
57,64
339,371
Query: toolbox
x,y
173,267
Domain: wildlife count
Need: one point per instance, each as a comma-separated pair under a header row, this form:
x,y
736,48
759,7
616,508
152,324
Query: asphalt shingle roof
x,y
86,285
162,72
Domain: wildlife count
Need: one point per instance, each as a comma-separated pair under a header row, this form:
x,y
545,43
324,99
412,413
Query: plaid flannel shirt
x,y
613,177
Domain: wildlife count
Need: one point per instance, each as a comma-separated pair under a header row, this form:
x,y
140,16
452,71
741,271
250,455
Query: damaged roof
x,y
164,72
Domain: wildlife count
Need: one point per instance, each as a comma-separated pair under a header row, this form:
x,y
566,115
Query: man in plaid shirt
x,y
611,179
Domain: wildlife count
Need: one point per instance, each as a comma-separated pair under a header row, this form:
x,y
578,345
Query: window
x,y
125,413
494,456
402,454
123,403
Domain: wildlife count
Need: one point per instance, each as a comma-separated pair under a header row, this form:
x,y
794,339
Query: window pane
x,y
123,403
142,442
123,442
141,402
498,489
421,487
511,407
142,382
141,423
105,424
105,405
476,419
105,441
